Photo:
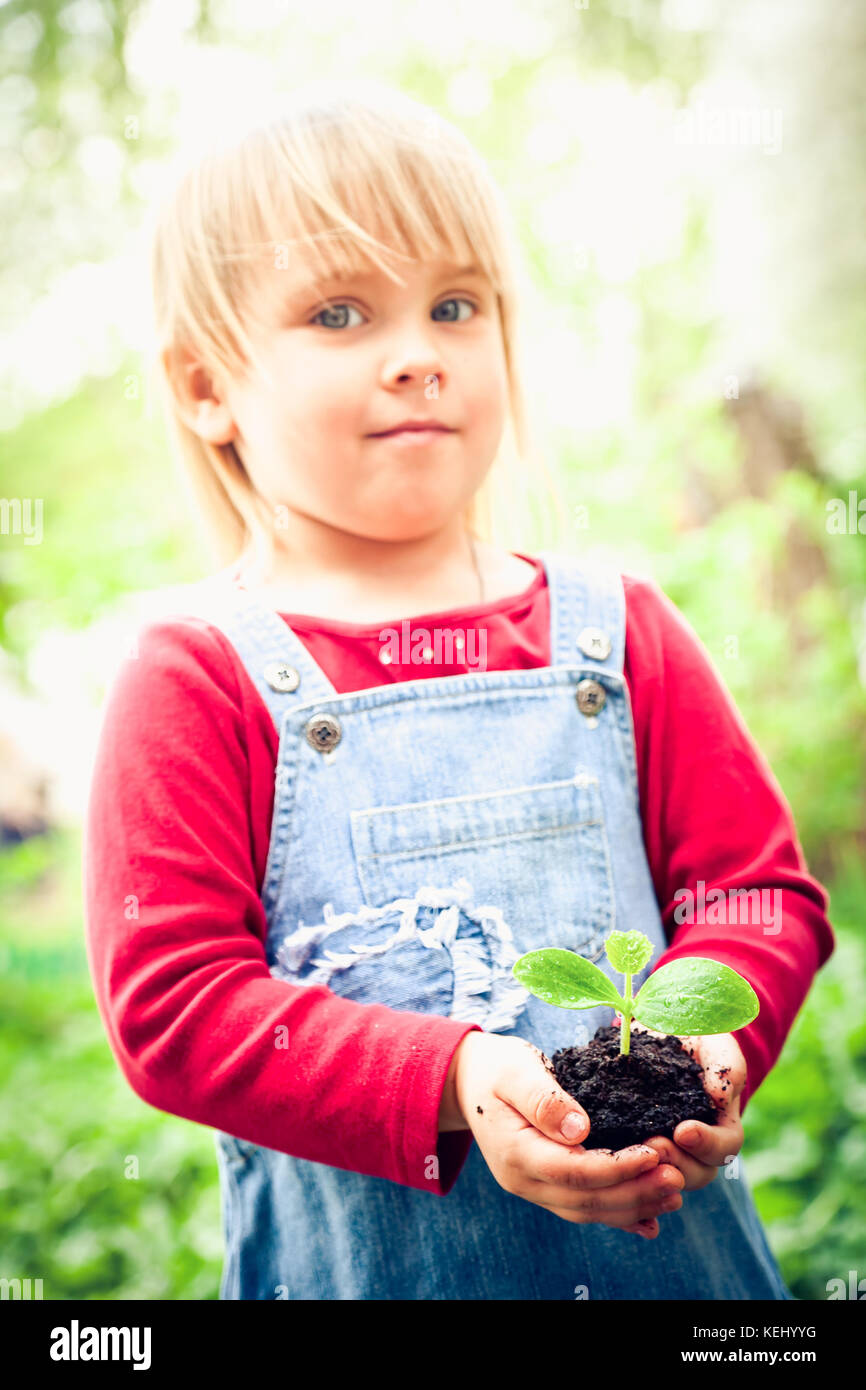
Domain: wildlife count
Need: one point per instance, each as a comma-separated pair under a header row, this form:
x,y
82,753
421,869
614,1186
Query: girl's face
x,y
374,355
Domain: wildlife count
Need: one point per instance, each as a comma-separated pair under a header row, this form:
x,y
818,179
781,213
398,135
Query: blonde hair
x,y
340,180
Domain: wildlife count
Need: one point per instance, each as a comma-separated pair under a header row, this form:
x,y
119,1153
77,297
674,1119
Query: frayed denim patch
x,y
433,953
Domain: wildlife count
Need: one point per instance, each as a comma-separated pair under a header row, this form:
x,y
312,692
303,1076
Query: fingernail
x,y
690,1136
574,1126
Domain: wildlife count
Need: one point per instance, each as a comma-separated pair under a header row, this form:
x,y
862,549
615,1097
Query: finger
x,y
641,1196
532,1092
695,1173
720,1057
711,1144
648,1229
575,1166
609,1208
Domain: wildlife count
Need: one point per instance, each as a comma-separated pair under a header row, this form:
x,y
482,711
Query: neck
x,y
441,571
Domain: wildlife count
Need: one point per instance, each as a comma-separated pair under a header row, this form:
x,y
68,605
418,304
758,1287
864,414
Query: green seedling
x,y
689,997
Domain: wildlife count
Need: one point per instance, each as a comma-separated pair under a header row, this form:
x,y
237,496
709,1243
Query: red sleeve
x,y
175,844
712,810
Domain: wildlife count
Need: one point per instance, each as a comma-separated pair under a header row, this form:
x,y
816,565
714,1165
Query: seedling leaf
x,y
566,979
695,996
628,951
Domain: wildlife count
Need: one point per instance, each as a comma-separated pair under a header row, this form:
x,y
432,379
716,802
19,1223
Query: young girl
x,y
380,756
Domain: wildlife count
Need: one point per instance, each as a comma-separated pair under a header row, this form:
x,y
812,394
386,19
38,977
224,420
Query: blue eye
x,y
338,308
333,309
455,299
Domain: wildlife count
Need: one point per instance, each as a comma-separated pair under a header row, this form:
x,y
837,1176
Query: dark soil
x,y
630,1098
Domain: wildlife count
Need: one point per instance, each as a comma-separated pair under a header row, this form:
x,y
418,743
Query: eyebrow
x,y
312,287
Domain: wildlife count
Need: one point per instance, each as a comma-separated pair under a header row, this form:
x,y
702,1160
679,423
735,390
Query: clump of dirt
x,y
630,1098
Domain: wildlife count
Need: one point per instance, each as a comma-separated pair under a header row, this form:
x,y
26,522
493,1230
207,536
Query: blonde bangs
x,y
337,183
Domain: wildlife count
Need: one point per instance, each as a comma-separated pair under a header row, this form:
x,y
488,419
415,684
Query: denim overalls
x,y
425,834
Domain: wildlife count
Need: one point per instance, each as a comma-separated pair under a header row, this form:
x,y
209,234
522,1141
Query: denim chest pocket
x,y
455,890
539,853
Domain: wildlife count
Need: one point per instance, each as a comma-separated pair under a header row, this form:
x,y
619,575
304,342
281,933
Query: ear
x,y
200,399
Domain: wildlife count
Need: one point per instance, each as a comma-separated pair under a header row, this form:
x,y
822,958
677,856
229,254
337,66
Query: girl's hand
x,y
514,1108
724,1068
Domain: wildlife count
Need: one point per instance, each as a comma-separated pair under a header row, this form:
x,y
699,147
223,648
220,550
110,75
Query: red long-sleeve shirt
x,y
176,840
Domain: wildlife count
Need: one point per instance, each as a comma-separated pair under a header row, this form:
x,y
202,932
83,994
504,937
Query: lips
x,y
426,428
414,440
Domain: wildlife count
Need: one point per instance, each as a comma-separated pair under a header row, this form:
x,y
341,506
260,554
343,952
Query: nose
x,y
414,356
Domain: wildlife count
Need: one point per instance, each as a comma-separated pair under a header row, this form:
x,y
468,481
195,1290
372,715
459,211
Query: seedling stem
x,y
625,1031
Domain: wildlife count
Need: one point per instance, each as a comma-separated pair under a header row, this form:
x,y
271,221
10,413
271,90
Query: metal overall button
x,y
281,677
593,642
323,732
591,697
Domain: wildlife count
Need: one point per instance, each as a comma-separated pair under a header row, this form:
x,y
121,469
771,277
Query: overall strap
x,y
277,662
587,612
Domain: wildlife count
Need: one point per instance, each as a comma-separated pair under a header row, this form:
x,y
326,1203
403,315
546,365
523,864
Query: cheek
x,y
321,388
487,408
487,382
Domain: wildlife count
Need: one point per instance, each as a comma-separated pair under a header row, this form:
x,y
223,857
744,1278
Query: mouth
x,y
414,436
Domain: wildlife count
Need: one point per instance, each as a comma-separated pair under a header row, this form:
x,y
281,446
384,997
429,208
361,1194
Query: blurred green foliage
x,y
116,516
74,1210
805,1150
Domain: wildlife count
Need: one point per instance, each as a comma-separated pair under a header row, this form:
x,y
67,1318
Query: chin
x,y
414,530
409,523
